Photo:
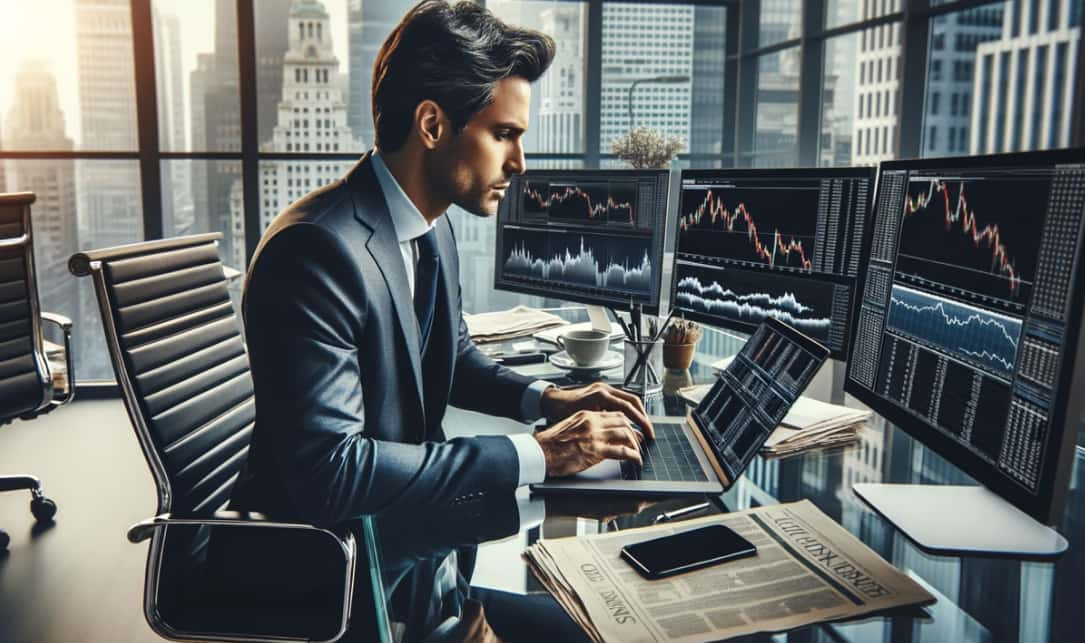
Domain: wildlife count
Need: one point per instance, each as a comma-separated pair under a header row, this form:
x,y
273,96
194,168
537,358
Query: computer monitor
x,y
781,244
968,332
591,236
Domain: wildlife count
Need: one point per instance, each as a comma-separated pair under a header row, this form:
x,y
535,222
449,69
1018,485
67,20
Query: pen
x,y
667,516
621,322
663,326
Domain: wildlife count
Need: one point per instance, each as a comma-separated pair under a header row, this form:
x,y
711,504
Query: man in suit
x,y
352,301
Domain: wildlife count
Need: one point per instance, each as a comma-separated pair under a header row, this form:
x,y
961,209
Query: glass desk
x,y
979,599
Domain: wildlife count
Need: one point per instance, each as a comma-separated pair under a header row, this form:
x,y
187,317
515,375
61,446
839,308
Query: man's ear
x,y
431,123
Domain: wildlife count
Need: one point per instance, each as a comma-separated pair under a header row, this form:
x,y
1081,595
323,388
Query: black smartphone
x,y
687,550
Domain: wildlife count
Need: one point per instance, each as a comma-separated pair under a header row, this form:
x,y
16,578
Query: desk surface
x,y
979,599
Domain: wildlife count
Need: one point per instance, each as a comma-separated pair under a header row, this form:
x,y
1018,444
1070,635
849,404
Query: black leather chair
x,y
29,384
180,361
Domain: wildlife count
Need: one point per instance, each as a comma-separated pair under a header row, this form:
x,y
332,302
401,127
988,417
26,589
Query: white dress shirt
x,y
409,225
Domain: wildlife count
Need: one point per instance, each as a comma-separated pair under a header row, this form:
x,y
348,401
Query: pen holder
x,y
643,368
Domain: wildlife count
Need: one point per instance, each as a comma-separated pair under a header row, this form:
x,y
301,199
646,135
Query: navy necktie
x,y
425,283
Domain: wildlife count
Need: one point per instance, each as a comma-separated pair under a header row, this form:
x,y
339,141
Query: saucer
x,y
612,359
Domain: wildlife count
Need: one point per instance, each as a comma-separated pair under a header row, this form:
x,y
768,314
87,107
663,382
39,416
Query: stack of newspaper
x,y
811,424
521,321
807,570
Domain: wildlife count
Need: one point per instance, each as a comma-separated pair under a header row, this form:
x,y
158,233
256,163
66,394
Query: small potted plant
x,y
645,148
680,343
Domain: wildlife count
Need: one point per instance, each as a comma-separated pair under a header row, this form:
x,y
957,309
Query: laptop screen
x,y
755,392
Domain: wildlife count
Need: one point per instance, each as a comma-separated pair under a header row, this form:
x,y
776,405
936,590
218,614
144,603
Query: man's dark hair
x,y
452,55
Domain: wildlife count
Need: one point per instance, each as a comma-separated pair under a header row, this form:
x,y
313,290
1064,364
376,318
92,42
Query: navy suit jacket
x,y
348,409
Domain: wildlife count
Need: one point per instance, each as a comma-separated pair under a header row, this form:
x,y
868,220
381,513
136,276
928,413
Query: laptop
x,y
710,448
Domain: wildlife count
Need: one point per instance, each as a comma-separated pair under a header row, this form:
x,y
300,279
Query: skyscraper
x,y
108,194
632,53
311,115
178,216
368,23
36,123
706,109
1022,93
947,109
560,121
877,67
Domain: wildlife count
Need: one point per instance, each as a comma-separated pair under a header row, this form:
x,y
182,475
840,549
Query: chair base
x,y
41,507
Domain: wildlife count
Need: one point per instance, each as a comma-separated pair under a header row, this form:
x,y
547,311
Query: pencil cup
x,y
643,367
678,356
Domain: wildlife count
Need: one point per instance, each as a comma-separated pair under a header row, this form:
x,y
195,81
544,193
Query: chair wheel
x,y
4,539
43,509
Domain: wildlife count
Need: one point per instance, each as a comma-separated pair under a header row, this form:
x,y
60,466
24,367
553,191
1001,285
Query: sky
x,y
45,29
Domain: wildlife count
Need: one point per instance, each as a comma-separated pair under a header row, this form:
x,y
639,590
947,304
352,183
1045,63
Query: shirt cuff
x,y
531,402
532,460
532,509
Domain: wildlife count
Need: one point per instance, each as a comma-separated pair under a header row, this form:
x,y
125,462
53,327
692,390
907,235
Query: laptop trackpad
x,y
605,470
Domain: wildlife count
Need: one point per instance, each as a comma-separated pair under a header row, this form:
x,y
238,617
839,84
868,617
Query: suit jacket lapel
x,y
371,209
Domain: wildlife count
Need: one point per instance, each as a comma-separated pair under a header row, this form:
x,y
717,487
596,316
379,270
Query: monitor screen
x,y
967,328
593,236
780,244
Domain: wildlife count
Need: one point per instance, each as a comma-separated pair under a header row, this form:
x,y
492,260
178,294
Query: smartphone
x,y
687,550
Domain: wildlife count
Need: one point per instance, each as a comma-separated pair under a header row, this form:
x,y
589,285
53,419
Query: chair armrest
x,y
65,326
63,322
143,529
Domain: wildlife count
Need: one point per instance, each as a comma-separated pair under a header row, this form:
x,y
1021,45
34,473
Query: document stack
x,y
809,424
520,321
807,569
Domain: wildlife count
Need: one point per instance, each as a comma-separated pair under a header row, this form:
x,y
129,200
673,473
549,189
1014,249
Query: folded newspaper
x,y
809,424
520,321
808,569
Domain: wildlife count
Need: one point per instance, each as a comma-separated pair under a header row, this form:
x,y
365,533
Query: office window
x,y
669,76
777,125
780,20
558,98
1012,85
82,204
843,12
196,76
840,101
337,42
71,62
206,196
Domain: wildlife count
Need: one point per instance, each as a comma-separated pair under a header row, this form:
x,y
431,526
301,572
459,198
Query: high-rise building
x,y
877,67
36,123
947,110
706,109
216,112
178,216
368,24
560,120
108,193
311,115
630,54
1022,94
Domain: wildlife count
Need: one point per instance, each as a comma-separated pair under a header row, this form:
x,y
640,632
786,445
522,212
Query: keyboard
x,y
669,457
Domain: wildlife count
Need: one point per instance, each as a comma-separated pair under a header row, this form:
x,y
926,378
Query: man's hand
x,y
559,403
586,438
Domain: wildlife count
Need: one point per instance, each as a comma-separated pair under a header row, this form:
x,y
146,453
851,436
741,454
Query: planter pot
x,y
678,356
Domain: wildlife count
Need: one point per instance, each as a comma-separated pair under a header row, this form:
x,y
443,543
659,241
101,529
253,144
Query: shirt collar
x,y
406,219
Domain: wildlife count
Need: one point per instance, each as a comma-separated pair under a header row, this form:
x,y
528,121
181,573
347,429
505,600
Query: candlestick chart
x,y
976,239
773,228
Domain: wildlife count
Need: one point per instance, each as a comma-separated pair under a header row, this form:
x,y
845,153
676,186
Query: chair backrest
x,y
177,351
24,386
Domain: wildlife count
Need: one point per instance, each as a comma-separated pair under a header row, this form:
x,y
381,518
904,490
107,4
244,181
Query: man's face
x,y
476,165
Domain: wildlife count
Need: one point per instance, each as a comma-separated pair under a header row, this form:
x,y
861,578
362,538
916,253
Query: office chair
x,y
30,385
179,357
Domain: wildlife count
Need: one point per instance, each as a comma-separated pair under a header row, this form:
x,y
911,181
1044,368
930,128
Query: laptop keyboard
x,y
669,457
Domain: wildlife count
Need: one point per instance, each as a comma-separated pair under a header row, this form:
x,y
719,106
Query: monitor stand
x,y
961,519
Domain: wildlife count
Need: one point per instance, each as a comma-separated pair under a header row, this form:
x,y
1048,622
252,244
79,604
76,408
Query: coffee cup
x,y
585,347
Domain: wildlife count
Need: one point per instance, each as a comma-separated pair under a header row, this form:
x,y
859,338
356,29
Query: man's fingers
x,y
622,435
635,413
620,452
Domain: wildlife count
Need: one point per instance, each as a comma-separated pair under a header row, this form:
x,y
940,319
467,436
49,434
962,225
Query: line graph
x,y
776,227
745,298
593,261
597,202
983,338
973,238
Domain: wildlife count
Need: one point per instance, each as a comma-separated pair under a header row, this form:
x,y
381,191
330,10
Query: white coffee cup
x,y
586,347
